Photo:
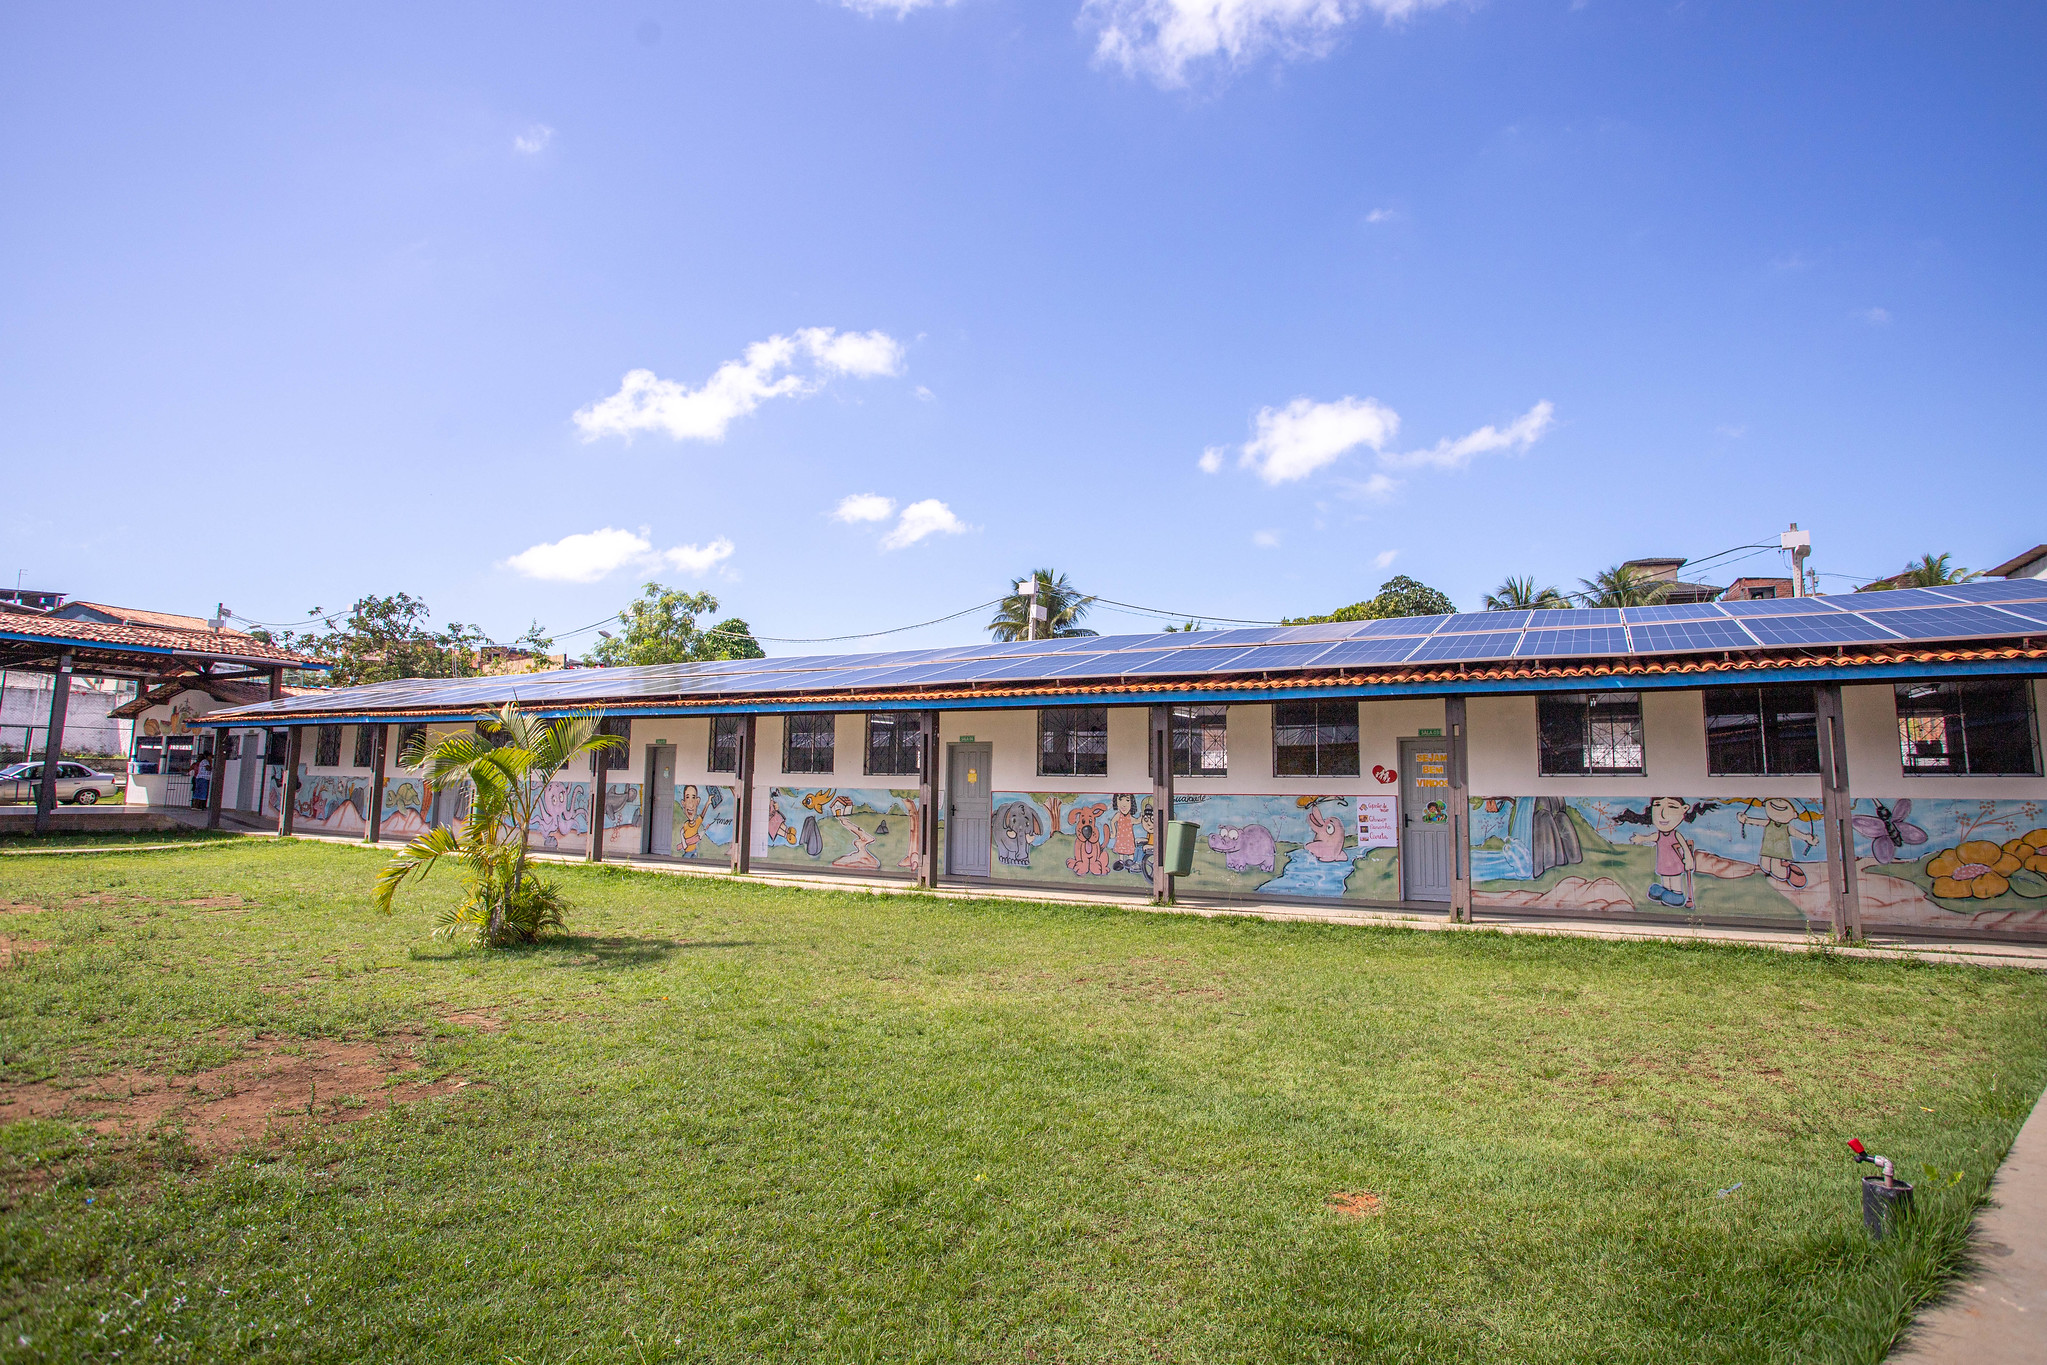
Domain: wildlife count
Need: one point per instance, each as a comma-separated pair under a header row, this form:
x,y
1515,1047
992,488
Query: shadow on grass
x,y
610,952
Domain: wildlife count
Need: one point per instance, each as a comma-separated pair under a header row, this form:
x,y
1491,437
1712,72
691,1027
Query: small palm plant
x,y
507,773
1623,586
1064,606
1520,594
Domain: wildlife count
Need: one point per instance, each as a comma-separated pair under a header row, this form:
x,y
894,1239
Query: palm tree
x,y
1927,571
1520,594
1064,606
1622,586
508,767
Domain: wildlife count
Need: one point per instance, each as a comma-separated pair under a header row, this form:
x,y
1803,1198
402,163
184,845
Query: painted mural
x,y
1095,839
562,823
1311,846
704,822
1952,864
852,829
1723,856
338,803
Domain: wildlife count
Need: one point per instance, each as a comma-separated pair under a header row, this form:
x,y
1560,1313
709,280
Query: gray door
x,y
248,767
1424,820
658,833
970,809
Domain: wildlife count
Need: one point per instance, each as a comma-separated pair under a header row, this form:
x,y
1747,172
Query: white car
x,y
76,783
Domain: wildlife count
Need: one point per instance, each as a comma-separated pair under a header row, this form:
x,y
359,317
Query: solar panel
x,y
1484,620
1839,628
1192,661
1397,625
1358,653
1281,656
1778,606
1667,637
1492,644
2000,590
1570,618
1682,611
2030,611
1893,599
1939,623
1563,644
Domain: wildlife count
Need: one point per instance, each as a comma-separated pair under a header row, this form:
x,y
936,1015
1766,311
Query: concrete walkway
x,y
1997,1316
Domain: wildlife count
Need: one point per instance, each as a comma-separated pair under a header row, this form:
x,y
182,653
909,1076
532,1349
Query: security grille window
x,y
807,743
1073,741
724,744
365,745
1974,729
1761,730
1201,743
1586,733
148,754
327,747
178,755
1315,739
615,757
279,747
409,737
892,744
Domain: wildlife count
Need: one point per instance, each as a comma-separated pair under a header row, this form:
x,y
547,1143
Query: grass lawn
x,y
732,1122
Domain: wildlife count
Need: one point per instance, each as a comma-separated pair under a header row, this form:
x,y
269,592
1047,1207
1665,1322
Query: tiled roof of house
x,y
100,637
226,691
136,616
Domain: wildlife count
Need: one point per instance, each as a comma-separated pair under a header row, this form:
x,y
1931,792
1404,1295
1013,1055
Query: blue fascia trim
x,y
1234,696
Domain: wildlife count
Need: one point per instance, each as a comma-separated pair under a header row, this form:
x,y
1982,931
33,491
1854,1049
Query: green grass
x,y
733,1122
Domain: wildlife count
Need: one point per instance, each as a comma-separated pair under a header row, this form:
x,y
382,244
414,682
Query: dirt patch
x,y
277,1085
13,948
1356,1204
218,903
483,1021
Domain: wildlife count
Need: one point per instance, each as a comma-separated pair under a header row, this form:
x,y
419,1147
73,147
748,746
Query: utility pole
x,y
1029,591
1800,544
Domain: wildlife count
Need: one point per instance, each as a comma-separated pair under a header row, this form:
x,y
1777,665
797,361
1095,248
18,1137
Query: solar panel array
x,y
1996,608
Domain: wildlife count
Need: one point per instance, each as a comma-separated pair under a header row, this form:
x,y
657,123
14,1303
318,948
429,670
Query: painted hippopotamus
x,y
1245,848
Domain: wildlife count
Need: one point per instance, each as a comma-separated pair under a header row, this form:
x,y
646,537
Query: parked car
x,y
76,783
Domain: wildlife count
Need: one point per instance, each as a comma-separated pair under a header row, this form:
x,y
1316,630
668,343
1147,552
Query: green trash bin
x,y
1180,837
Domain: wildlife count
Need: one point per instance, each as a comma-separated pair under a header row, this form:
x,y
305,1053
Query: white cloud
x,y
1376,487
1875,317
1384,559
924,395
534,140
1381,216
698,560
588,556
769,369
920,519
1265,540
896,9
864,507
1294,441
1163,38
1523,432
1211,460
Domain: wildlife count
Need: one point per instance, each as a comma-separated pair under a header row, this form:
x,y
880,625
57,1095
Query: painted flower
x,y
2030,849
1978,868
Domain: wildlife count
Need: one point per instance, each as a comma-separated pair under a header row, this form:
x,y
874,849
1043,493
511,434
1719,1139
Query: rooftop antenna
x,y
1028,589
1800,544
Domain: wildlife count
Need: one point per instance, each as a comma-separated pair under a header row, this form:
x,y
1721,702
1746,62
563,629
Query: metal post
x,y
1460,810
53,745
599,762
375,830
1837,807
221,744
928,753
742,824
1161,801
294,745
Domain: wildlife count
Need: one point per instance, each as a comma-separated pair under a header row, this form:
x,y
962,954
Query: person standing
x,y
202,780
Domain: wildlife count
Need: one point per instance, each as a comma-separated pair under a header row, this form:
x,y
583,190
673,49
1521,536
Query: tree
x,y
1063,603
1622,586
385,638
1928,571
1397,596
508,768
1521,594
660,627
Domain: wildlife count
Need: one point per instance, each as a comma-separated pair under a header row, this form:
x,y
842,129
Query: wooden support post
x,y
276,683
1161,801
374,830
930,753
222,744
600,763
1454,726
1837,807
742,824
53,746
294,744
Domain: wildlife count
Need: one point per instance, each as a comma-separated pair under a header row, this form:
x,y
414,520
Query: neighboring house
x,y
90,727
29,597
1758,590
169,740
2031,564
497,660
1665,571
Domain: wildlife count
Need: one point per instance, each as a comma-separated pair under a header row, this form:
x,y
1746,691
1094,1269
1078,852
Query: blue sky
x,y
1231,307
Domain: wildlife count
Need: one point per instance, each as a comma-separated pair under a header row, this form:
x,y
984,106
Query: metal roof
x,y
1532,641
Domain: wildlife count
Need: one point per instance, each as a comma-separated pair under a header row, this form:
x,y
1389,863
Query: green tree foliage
x,y
1622,586
1397,596
1927,571
1521,594
1064,607
660,627
385,638
507,768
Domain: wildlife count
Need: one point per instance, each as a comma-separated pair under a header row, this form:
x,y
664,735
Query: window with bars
x,y
1073,741
724,744
1590,733
365,745
892,746
1976,728
807,743
1315,739
408,736
327,747
1201,743
1761,730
